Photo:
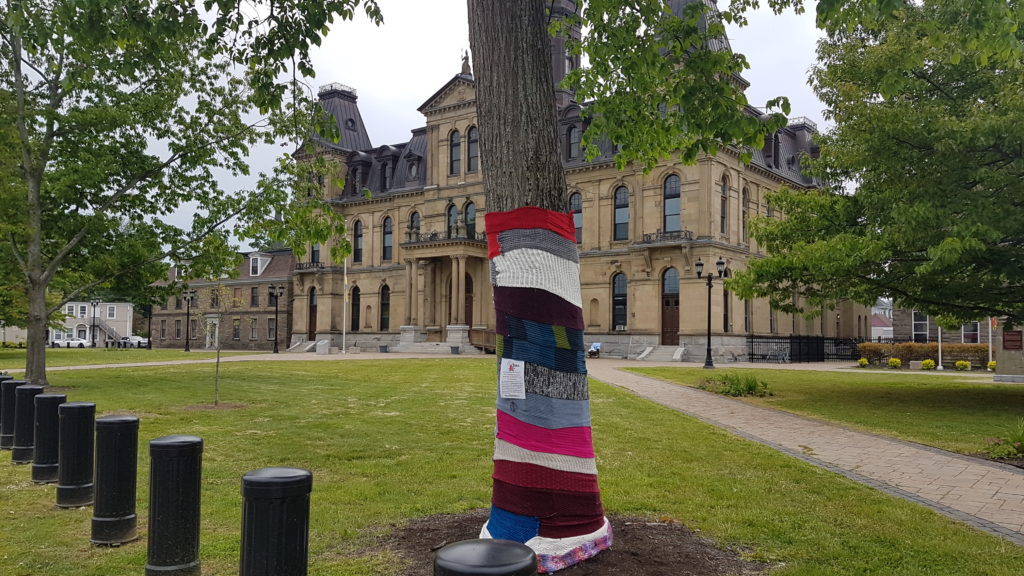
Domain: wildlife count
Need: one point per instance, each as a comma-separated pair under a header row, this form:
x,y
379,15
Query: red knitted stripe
x,y
534,476
569,526
526,218
560,507
573,441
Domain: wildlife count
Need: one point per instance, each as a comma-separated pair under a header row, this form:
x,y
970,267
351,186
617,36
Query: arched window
x,y
576,209
470,219
357,241
385,253
726,306
724,216
414,227
744,201
572,143
621,228
385,308
454,152
619,301
671,205
453,220
670,281
473,151
354,300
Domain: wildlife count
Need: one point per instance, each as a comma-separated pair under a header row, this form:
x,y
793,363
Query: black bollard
x,y
485,558
24,423
7,412
74,472
117,451
275,522
47,438
175,473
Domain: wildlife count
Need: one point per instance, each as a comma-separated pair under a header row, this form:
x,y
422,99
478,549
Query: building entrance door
x,y
469,300
311,324
670,308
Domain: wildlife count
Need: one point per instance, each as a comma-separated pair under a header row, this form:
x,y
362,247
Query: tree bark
x,y
516,105
545,492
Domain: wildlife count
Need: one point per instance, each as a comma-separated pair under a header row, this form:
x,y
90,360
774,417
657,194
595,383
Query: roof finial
x,y
465,63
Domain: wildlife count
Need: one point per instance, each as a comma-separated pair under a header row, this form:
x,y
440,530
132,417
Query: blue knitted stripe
x,y
547,412
540,333
548,357
505,525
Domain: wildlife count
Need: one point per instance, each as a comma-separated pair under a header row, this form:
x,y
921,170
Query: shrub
x,y
895,363
1012,446
992,366
863,362
876,353
730,384
928,364
962,365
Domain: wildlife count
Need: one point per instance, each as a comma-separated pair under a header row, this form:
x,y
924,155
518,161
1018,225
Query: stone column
x,y
429,292
410,271
460,312
453,299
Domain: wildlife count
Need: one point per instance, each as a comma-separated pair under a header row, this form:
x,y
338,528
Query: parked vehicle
x,y
133,342
71,343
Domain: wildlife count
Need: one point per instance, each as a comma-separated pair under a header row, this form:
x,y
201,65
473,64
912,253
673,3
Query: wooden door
x,y
311,324
670,319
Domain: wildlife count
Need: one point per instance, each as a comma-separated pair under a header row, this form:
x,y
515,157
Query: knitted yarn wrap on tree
x,y
545,492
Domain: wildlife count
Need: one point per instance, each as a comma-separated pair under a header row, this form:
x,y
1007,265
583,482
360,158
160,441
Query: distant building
x,y
916,326
102,323
235,313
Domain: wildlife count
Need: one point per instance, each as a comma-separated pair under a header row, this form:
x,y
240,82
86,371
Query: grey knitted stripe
x,y
532,268
550,413
555,384
539,239
508,451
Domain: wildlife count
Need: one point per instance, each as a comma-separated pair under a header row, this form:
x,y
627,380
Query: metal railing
x,y
801,349
417,237
309,265
483,339
659,236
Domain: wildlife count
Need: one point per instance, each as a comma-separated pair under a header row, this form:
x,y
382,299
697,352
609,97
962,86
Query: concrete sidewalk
x,y
987,495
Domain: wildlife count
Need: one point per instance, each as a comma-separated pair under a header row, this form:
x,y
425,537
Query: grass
x,y
937,410
393,440
14,359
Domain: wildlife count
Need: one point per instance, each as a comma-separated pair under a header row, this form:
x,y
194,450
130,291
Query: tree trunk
x,y
35,351
545,490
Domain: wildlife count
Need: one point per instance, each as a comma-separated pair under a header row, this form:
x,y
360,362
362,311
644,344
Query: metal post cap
x,y
176,444
277,482
117,421
485,558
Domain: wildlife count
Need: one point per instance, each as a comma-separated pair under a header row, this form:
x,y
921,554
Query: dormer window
x,y
254,266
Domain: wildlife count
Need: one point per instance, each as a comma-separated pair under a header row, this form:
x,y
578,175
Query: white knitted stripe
x,y
507,451
558,546
532,268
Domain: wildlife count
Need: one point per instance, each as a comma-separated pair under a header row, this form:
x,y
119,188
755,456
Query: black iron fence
x,y
800,349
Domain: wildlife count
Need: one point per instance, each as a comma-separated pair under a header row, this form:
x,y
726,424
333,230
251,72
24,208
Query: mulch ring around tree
x,y
642,548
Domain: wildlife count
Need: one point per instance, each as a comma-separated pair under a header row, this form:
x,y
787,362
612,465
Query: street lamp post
x,y
149,327
189,295
276,292
94,303
720,265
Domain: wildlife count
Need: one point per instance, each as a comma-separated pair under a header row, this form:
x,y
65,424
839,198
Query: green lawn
x,y
938,410
393,440
14,359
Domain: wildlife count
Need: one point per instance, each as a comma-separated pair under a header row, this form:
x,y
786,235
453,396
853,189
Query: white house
x,y
95,321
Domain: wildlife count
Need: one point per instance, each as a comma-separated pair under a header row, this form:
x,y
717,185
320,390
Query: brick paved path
x,y
989,496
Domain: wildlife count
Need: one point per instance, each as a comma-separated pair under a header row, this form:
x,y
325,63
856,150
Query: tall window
x,y
970,333
576,209
193,326
671,205
177,329
357,241
385,253
254,296
572,143
619,301
414,226
621,231
254,266
920,327
724,216
748,311
454,152
453,220
385,308
744,201
473,150
773,321
254,327
314,254
726,308
354,299
236,329
470,218
111,312
271,328
163,329
385,175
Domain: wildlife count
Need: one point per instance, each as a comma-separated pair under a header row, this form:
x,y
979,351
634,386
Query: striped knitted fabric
x,y
545,490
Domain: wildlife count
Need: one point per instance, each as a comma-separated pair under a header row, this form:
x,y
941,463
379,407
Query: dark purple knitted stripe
x,y
537,305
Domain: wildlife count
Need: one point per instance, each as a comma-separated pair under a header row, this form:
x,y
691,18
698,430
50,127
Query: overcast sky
x,y
397,66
